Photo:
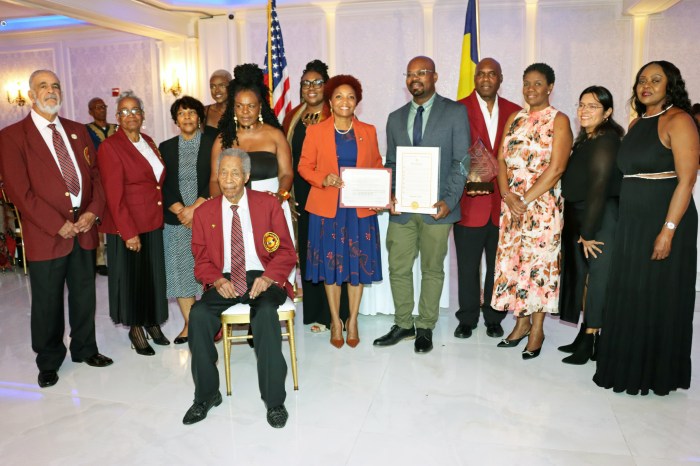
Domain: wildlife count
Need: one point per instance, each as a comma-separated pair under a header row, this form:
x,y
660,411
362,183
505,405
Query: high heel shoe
x,y
571,348
506,343
527,354
352,342
139,343
337,342
157,334
584,352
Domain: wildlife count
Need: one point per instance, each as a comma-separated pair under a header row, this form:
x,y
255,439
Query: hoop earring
x,y
260,117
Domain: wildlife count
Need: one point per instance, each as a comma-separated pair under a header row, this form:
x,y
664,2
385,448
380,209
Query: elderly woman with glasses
x,y
312,109
132,173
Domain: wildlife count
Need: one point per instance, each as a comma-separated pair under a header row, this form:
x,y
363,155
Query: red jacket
x,y
134,196
475,210
34,183
266,216
318,159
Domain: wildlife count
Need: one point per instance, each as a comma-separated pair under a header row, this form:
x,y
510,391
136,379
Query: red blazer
x,y
134,196
266,216
34,183
318,159
475,210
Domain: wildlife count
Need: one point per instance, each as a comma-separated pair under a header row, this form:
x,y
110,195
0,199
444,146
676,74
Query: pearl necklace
x,y
343,132
644,115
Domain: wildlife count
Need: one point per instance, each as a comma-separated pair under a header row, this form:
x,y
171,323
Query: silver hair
x,y
129,95
235,152
222,73
33,75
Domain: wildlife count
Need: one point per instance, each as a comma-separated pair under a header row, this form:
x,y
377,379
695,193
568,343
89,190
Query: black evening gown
x,y
315,302
591,189
648,325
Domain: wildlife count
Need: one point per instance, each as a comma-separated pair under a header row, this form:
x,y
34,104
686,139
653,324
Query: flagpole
x,y
270,80
478,31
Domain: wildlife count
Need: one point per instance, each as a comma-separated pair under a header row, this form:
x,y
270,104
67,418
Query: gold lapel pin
x,y
73,136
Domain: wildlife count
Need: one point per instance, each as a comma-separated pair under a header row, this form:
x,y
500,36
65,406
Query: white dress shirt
x,y
42,124
491,119
252,261
150,156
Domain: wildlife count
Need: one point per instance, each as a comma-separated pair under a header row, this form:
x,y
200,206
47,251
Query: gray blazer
x,y
448,129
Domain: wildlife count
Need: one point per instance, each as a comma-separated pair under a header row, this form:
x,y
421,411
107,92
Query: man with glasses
x,y
48,164
477,232
429,120
99,130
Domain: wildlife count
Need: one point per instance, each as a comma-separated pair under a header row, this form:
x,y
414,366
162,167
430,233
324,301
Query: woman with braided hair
x,y
249,123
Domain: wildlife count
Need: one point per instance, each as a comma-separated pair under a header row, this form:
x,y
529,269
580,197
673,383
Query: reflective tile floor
x,y
466,403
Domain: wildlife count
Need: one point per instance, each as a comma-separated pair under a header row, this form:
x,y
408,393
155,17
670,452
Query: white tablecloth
x,y
377,298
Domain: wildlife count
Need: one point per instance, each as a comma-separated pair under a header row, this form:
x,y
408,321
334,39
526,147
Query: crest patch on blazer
x,y
271,241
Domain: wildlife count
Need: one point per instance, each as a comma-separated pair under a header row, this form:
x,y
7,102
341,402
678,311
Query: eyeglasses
x,y
417,74
316,83
100,107
125,112
591,107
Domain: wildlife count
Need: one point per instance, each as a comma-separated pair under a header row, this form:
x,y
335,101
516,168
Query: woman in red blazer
x,y
343,243
132,173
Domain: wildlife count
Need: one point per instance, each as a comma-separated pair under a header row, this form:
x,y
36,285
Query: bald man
x,y
476,234
429,120
48,164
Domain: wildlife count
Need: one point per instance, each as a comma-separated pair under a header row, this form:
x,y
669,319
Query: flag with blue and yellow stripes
x,y
470,50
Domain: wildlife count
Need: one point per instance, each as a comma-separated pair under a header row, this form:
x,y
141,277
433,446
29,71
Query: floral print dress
x,y
528,256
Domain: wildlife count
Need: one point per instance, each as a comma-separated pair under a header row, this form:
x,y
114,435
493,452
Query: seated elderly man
x,y
243,254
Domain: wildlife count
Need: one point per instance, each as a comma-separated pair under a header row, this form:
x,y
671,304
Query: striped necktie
x,y
70,176
237,254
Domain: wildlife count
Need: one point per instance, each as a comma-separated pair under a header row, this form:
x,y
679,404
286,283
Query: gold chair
x,y
240,314
18,228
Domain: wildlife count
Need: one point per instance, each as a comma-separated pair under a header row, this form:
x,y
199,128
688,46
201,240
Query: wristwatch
x,y
670,225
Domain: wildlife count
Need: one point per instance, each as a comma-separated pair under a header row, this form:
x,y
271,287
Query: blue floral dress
x,y
345,248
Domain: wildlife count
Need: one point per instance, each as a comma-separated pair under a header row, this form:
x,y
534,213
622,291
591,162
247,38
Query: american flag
x,y
280,98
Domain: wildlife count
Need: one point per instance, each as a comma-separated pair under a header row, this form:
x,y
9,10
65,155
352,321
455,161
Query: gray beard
x,y
49,109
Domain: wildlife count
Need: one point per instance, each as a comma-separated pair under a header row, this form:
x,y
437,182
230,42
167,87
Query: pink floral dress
x,y
528,256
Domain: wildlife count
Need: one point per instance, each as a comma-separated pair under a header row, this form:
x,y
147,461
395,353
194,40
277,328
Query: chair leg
x,y
227,356
293,351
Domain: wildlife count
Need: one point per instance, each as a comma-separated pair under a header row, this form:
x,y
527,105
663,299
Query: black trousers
x,y
47,279
470,243
267,336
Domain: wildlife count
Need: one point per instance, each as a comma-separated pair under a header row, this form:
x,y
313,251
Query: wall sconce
x,y
15,97
173,89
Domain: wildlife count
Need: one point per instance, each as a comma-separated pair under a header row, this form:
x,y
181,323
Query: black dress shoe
x,y
139,343
424,340
494,330
199,410
277,416
102,270
47,378
464,330
180,340
96,360
395,335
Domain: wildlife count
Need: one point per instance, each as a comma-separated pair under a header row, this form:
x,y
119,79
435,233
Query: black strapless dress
x,y
648,323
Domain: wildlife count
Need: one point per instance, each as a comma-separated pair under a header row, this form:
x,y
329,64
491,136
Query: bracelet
x,y
522,198
285,194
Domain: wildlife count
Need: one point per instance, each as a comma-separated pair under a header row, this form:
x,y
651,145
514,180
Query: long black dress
x,y
315,301
648,324
591,189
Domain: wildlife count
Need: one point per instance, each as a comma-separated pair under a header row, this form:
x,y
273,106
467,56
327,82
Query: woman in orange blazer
x,y
132,173
343,243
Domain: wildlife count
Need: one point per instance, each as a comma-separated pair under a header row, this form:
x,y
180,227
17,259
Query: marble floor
x,y
466,403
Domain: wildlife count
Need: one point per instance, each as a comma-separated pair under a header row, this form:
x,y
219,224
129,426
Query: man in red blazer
x,y
48,164
477,231
269,258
